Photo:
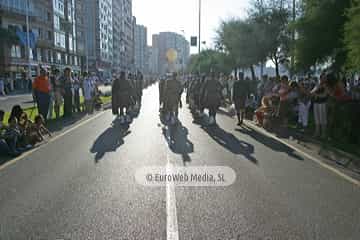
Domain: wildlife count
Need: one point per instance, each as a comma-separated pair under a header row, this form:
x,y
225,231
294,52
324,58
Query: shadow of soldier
x,y
230,142
178,142
269,142
110,140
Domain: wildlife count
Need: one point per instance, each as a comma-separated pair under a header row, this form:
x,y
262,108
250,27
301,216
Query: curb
x,y
341,158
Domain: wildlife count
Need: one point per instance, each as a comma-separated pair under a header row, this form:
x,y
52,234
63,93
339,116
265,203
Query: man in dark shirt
x,y
240,93
67,83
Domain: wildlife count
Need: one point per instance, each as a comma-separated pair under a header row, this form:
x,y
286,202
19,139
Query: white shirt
x,y
88,88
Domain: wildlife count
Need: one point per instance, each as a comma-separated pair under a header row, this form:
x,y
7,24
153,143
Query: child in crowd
x,y
11,135
264,109
304,104
251,105
4,147
26,128
39,130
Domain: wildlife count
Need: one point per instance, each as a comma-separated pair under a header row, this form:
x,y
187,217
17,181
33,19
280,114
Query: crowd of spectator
x,y
310,97
51,91
20,134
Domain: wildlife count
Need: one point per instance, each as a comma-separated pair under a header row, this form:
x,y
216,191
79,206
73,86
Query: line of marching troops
x,y
203,92
126,96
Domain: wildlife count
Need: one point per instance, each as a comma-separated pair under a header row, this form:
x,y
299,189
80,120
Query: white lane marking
x,y
322,164
25,154
172,229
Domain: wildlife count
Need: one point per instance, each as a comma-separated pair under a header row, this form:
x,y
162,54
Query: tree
x,y
352,36
273,19
264,35
321,33
210,60
242,41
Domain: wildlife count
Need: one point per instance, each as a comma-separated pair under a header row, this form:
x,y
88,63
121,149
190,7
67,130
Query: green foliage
x,y
263,35
352,36
320,33
210,60
242,39
274,19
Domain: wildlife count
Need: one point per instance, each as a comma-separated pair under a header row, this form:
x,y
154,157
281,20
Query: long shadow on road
x,y
230,142
110,140
269,142
177,139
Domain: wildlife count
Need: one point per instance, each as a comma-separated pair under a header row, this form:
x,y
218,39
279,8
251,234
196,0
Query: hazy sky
x,y
178,15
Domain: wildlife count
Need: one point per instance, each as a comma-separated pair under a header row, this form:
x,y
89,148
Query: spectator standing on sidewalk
x,y
67,83
41,88
11,82
2,86
319,98
76,87
304,104
88,92
284,108
51,104
57,90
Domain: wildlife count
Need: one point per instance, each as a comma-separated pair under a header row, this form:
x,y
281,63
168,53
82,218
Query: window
x,y
31,53
59,40
56,22
38,54
58,57
69,12
51,56
15,51
49,37
59,6
71,47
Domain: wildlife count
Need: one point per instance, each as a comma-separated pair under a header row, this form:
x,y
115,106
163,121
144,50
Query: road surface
x,y
82,186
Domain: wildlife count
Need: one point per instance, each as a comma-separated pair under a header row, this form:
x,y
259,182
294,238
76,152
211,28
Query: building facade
x,y
118,44
99,36
164,41
80,34
52,36
141,49
153,60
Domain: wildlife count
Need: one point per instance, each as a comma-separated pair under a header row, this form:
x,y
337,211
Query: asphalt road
x,y
82,186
